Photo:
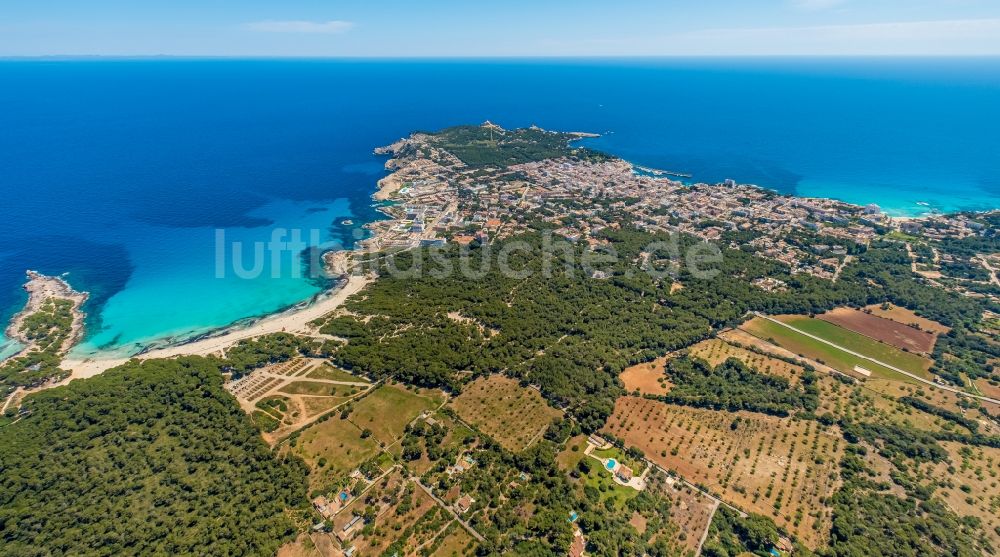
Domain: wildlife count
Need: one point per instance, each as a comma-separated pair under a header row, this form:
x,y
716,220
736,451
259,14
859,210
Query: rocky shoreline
x,y
42,288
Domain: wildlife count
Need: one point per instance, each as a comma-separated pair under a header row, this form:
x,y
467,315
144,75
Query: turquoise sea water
x,y
186,292
119,173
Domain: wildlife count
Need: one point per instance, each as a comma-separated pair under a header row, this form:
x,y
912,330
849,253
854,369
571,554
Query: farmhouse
x,y
322,506
624,473
461,465
464,504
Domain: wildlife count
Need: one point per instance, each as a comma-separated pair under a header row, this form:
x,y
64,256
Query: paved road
x,y
873,360
445,506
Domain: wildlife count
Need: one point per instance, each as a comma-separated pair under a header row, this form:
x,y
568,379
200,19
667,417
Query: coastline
x,y
296,320
293,319
894,212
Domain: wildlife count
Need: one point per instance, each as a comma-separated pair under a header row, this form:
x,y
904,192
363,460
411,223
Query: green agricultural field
x,y
861,344
330,373
388,410
331,448
319,389
821,352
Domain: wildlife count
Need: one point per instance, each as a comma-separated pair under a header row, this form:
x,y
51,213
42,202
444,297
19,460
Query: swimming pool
x,y
611,464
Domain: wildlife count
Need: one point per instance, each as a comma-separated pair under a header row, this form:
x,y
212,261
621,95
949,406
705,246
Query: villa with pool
x,y
622,474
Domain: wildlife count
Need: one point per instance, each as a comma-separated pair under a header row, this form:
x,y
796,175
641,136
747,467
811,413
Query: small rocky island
x,y
48,326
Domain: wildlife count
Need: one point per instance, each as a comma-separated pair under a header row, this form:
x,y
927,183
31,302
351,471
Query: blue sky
x,y
396,28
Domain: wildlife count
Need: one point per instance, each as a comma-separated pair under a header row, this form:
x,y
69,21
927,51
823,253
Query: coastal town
x,y
438,198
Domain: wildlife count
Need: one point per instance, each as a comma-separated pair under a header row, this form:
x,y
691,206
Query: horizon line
x,y
69,57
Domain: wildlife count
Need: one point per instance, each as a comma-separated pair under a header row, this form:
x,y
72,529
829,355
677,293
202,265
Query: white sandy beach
x,y
294,321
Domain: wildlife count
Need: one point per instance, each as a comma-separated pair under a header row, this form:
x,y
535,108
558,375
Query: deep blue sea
x,y
119,173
